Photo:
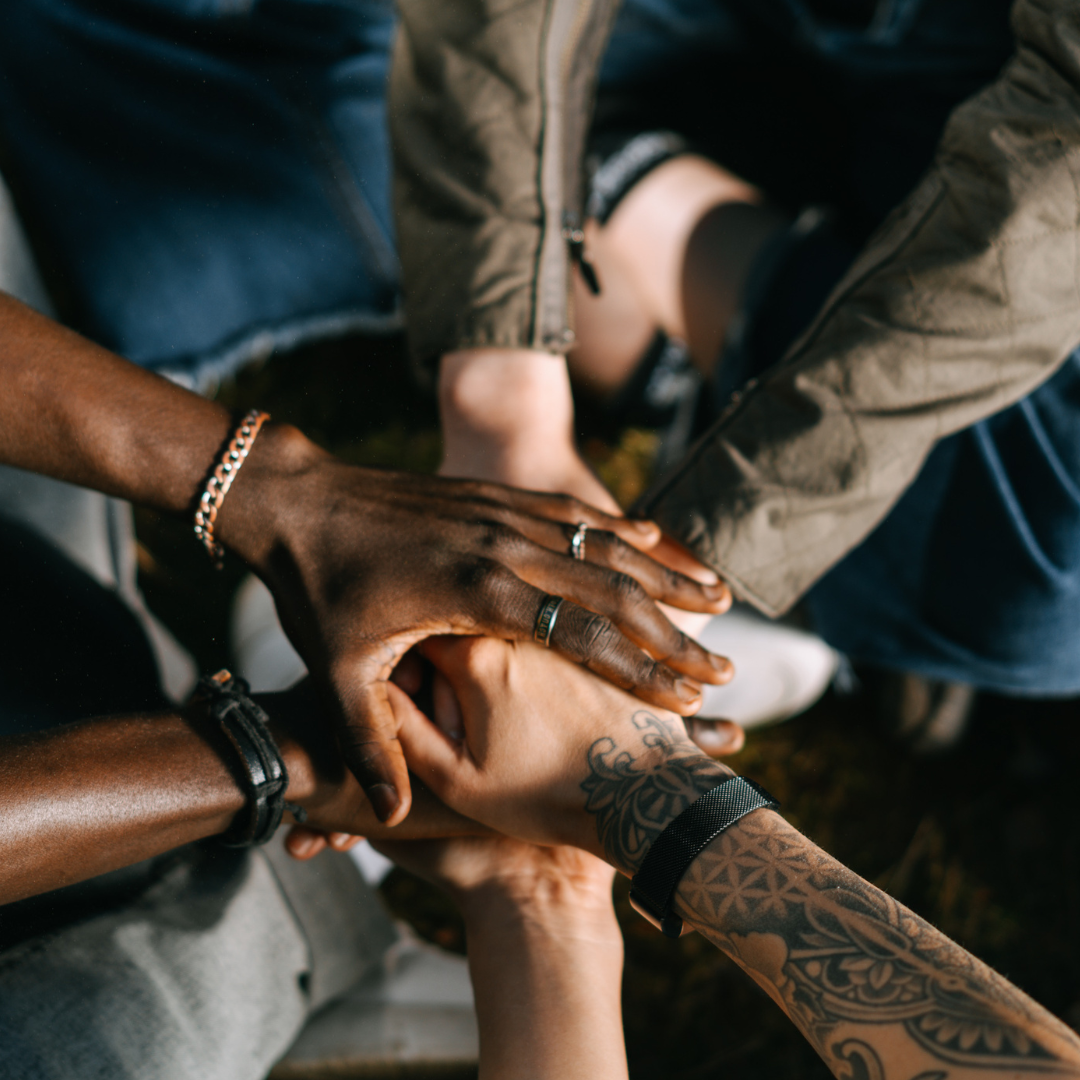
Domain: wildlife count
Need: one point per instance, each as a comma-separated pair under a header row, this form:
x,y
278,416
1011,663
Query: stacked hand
x,y
535,747
365,563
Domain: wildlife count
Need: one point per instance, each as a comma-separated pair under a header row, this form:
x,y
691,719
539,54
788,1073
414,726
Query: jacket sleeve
x,y
966,299
489,105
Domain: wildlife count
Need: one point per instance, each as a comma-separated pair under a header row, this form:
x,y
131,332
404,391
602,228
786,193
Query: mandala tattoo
x,y
634,796
863,978
843,958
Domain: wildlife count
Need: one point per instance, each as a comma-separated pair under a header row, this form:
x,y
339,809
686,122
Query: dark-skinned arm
x,y
91,797
362,563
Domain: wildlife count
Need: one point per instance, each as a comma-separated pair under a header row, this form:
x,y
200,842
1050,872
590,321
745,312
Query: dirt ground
x,y
981,842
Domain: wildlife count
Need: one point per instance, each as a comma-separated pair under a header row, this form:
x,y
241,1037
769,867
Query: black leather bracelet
x,y
652,889
244,724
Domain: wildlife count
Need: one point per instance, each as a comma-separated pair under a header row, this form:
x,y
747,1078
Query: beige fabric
x,y
965,300
489,102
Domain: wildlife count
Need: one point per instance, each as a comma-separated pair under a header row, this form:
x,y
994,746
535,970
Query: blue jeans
x,y
975,574
204,180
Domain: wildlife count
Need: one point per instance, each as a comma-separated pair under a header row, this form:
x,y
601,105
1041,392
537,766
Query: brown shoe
x,y
930,715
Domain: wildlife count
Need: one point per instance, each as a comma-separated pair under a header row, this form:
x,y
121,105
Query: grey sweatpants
x,y
208,975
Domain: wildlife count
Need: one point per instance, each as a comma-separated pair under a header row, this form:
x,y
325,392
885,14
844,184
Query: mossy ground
x,y
983,843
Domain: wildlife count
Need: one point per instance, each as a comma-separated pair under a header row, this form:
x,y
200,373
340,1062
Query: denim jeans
x,y
975,574
204,181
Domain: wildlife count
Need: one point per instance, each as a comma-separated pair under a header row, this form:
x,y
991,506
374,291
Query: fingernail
x,y
716,589
713,737
647,528
301,846
384,800
720,664
687,691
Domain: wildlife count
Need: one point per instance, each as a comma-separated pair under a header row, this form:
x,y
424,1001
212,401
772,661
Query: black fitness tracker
x,y
652,889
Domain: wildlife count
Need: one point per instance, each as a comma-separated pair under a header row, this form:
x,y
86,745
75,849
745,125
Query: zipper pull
x,y
574,235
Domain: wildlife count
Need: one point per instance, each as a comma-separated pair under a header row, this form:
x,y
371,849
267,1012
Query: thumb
x,y
435,758
368,741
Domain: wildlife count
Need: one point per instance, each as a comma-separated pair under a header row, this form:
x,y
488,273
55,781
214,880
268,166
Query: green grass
x,y
983,843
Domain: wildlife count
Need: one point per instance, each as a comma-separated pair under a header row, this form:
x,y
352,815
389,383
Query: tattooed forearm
x,y
635,795
879,993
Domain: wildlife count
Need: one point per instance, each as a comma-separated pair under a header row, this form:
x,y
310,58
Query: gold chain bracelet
x,y
221,479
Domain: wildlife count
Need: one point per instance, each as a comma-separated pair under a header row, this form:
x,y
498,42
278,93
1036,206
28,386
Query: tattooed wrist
x,y
636,792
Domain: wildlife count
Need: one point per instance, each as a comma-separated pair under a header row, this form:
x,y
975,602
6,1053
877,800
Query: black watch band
x,y
652,889
244,724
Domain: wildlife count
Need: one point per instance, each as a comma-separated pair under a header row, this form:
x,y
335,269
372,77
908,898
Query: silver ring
x,y
545,621
577,541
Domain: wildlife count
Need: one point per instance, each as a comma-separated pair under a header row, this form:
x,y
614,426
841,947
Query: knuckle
x,y
674,581
683,647
627,589
598,636
603,646
496,537
616,550
482,576
484,658
569,507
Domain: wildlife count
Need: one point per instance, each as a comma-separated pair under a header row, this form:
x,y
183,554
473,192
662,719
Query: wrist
x,y
227,795
552,910
633,811
264,506
305,746
503,410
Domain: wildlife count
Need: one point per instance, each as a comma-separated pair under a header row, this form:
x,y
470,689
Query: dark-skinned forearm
x,y
76,412
362,563
92,797
87,798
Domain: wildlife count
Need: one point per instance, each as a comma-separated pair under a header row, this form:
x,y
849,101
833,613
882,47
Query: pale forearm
x,y
547,980
504,410
508,415
876,990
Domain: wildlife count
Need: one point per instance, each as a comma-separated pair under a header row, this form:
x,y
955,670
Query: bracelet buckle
x,y
670,924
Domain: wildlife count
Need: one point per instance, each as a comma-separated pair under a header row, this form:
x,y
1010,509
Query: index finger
x,y
638,532
676,556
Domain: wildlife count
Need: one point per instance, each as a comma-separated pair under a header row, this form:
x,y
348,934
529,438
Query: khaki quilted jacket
x,y
965,299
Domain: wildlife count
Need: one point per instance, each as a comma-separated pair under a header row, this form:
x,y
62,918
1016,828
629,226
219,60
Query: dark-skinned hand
x,y
365,563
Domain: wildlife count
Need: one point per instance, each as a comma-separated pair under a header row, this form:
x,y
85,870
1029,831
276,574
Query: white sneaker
x,y
779,671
